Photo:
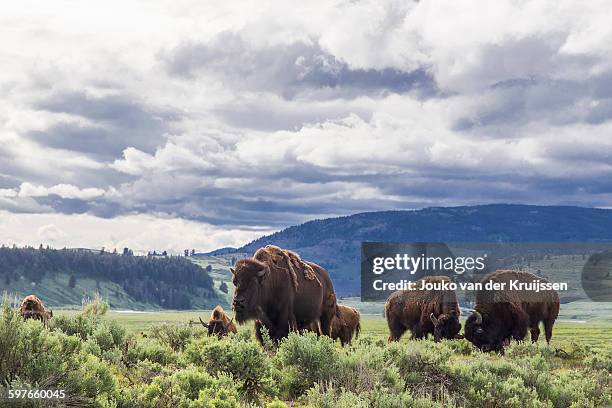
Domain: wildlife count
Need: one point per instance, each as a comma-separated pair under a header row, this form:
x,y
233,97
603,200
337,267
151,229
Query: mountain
x,y
335,242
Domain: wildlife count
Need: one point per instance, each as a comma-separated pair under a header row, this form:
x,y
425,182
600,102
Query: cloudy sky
x,y
200,124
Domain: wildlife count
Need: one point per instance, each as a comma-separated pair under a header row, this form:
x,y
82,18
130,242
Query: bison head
x,y
446,326
218,328
249,275
483,333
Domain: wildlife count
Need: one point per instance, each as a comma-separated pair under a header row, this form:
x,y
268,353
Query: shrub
x,y
332,398
189,388
276,404
364,369
244,360
306,359
174,336
34,357
151,350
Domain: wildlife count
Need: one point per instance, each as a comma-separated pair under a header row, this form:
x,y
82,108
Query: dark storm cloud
x,y
80,138
64,205
519,102
289,70
119,122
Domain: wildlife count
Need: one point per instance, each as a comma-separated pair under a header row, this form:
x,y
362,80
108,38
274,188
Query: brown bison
x,y
283,292
507,313
423,312
346,324
220,323
33,308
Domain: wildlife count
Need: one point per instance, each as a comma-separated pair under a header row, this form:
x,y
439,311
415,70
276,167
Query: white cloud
x,y
268,113
138,232
62,190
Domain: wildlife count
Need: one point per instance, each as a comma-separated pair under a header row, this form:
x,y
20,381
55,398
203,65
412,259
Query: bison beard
x,y
33,308
283,292
503,315
423,312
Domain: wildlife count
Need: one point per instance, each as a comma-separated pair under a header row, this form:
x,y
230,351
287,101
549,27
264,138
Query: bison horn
x,y
203,324
261,273
478,317
232,271
433,319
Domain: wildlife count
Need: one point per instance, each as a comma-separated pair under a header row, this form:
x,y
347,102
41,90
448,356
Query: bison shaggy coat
x,y
346,324
423,312
33,308
283,292
501,315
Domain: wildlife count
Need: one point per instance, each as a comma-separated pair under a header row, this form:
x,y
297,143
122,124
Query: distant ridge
x,y
220,251
334,242
484,223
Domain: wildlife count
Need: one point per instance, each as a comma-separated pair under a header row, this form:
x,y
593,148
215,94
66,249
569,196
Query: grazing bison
x,y
501,315
220,323
283,292
423,312
33,308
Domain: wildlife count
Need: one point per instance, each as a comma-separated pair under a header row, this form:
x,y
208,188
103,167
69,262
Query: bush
x,y
34,357
152,351
332,398
306,359
174,336
189,388
244,360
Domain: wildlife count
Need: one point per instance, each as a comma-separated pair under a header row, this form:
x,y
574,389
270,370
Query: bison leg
x,y
396,329
548,328
417,333
521,320
325,324
535,333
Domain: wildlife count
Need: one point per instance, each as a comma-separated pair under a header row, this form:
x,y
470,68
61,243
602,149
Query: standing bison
x,y
501,315
220,323
283,292
423,312
346,324
33,308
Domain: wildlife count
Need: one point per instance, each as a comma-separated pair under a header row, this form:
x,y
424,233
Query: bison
x,y
505,314
283,292
33,308
346,324
220,323
423,312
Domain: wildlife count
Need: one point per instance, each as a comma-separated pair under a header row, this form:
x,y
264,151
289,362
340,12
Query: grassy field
x,y
592,333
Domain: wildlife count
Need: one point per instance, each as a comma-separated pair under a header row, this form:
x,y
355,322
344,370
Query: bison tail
x,y
357,329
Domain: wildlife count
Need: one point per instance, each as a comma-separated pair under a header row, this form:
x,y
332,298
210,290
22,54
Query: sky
x,y
199,124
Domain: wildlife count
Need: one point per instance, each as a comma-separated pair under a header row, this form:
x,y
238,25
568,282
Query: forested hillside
x,y
64,276
335,242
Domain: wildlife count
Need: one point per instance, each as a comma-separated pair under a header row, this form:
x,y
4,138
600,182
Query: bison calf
x,y
501,315
33,308
423,312
346,324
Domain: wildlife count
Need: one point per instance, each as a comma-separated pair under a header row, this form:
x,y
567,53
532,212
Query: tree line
x,y
165,281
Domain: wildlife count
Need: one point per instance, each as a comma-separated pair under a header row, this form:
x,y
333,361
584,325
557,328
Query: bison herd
x,y
283,293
